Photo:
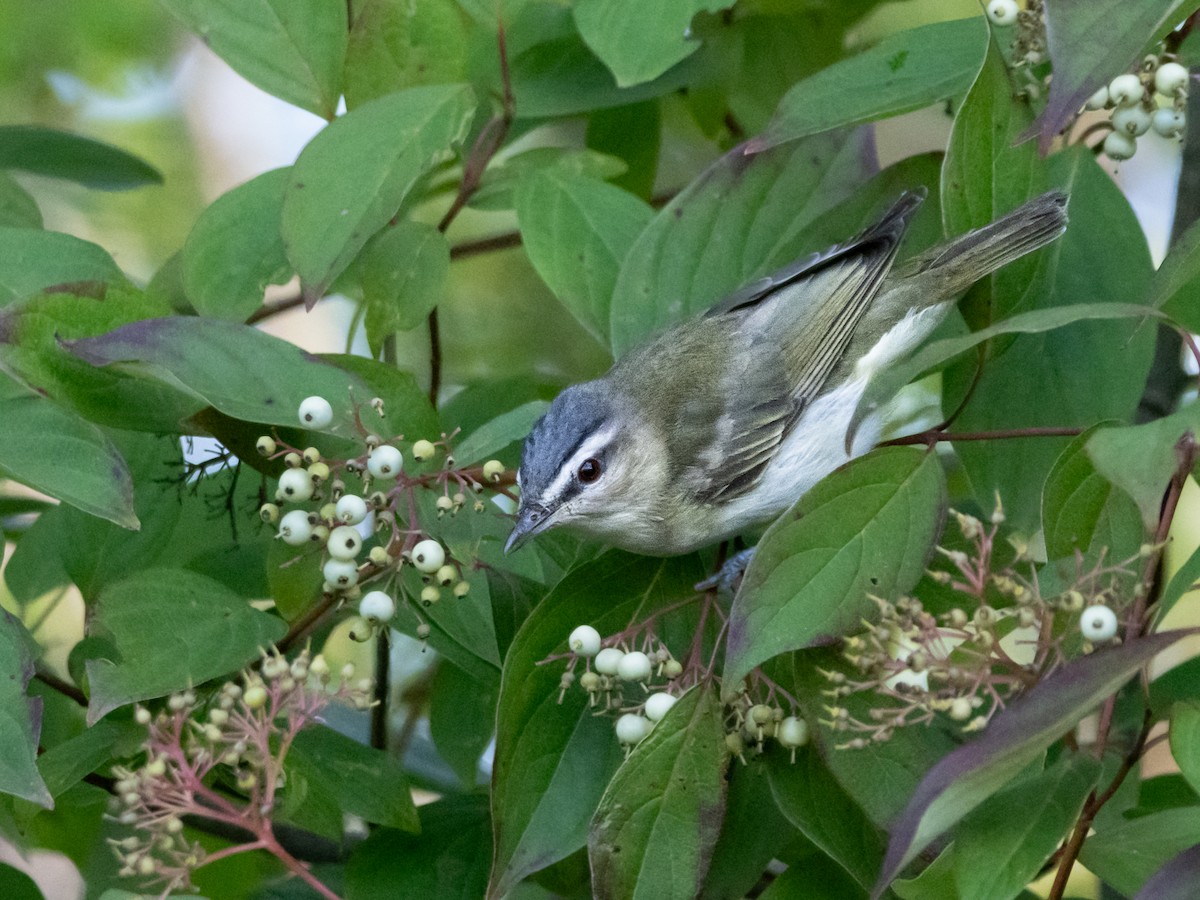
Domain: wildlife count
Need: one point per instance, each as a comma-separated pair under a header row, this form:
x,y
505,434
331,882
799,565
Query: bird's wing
x,y
794,327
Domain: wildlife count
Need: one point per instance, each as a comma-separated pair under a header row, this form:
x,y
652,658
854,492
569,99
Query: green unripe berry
x,y
446,576
265,445
269,513
493,469
311,455
255,696
462,589
430,595
423,450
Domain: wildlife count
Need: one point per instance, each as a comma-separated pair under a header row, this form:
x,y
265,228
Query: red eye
x,y
589,470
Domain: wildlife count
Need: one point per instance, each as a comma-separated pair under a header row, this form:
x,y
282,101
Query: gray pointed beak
x,y
531,520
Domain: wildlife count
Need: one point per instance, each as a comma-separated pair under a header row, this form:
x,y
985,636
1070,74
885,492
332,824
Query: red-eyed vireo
x,y
722,422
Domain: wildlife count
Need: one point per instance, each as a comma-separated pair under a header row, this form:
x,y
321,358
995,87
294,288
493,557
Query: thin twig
x,y
934,436
63,687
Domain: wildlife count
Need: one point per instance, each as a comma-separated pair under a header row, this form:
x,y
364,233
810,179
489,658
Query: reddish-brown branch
x,y
63,687
934,436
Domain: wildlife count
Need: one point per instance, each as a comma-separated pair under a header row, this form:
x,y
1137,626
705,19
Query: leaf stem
x,y
935,435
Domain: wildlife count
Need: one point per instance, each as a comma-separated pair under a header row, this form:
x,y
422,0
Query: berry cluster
x,y
620,682
341,521
220,757
967,663
1155,98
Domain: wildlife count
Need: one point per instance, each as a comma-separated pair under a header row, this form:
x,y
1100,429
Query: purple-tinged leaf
x,y
966,777
1090,42
20,716
1177,880
243,372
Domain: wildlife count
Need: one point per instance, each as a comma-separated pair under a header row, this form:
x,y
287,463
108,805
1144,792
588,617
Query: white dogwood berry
x,y
584,641
792,732
344,542
385,462
635,666
608,660
428,556
341,573
1125,90
350,509
1170,78
1118,146
1170,123
294,528
632,728
315,412
377,606
1098,100
1098,623
423,450
296,485
1003,12
658,704
1133,120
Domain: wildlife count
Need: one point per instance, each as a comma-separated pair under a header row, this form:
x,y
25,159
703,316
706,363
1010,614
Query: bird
x,y
723,421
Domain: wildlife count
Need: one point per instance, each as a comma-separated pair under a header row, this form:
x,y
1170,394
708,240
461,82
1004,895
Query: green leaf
x,y
1073,500
448,859
462,712
235,249
60,154
1185,741
966,777
500,432
66,764
354,176
359,779
753,833
866,529
655,828
1175,288
639,42
741,218
53,450
395,44
1002,846
806,792
406,408
936,881
18,209
1181,582
169,629
577,231
294,577
20,716
903,72
815,877
404,272
293,49
1153,445
35,260
633,135
1090,41
16,885
1126,855
243,372
553,760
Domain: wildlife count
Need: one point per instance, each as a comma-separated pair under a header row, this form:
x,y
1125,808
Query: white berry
x,y
294,528
658,704
344,542
493,469
341,573
634,666
792,732
1098,100
423,450
296,485
446,576
428,556
1133,120
1002,12
1169,123
350,509
1170,78
377,606
1118,146
608,659
1125,90
1098,623
385,462
632,728
315,412
584,641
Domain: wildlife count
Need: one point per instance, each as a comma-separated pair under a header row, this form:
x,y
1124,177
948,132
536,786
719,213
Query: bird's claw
x,y
726,579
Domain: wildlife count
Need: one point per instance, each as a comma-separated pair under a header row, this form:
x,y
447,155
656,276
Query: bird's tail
x,y
950,268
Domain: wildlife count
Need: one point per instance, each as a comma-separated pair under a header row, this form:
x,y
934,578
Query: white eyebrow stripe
x,y
589,448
